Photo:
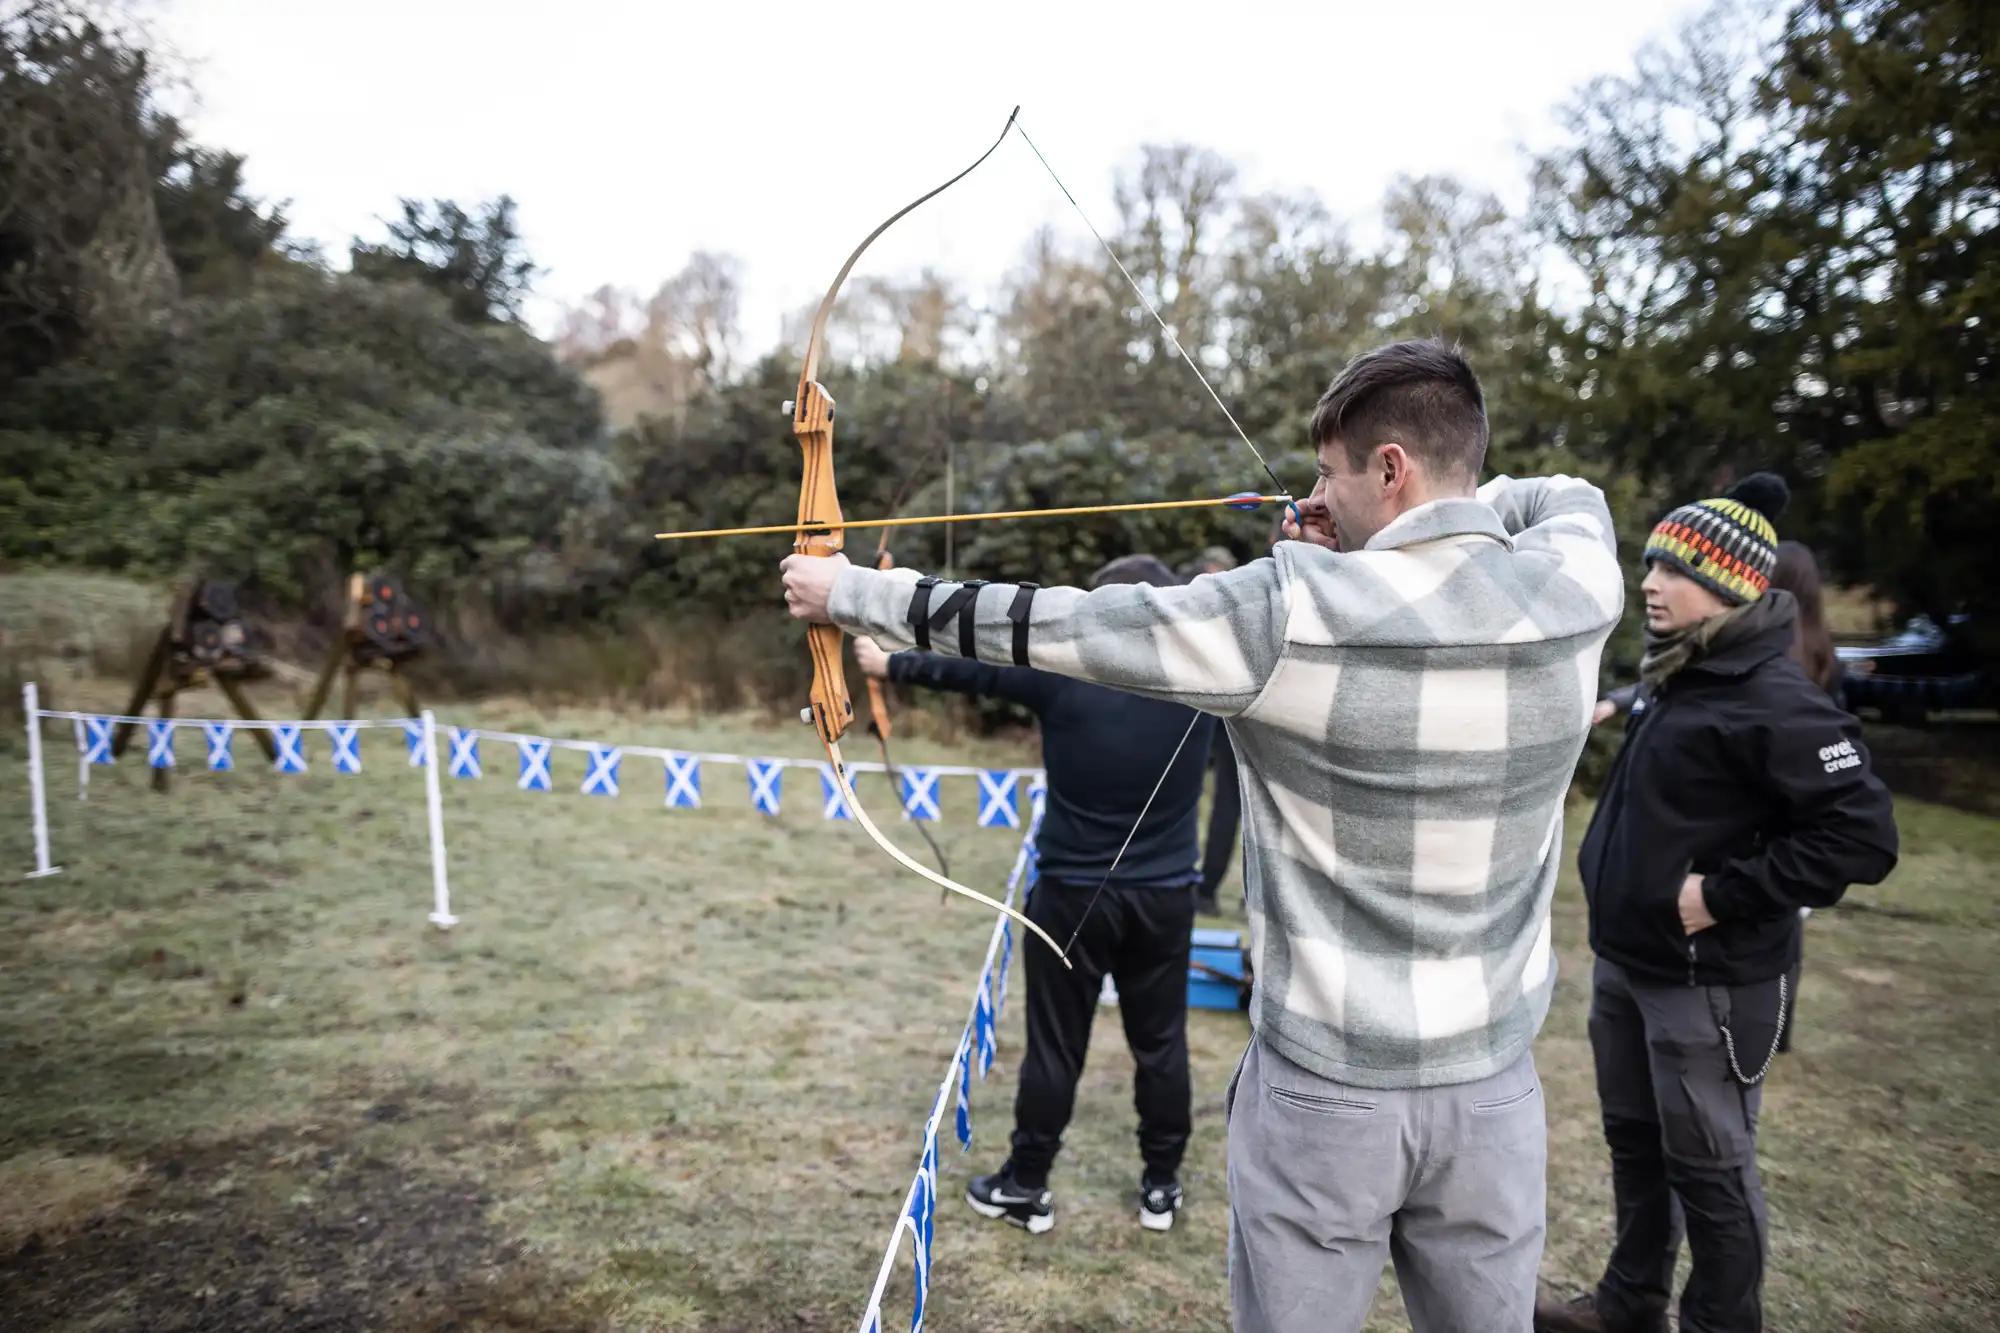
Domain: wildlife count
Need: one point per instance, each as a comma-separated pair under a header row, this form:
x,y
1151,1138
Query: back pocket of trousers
x,y
1305,1101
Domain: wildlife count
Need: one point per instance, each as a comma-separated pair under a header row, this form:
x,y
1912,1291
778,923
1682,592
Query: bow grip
x,y
819,506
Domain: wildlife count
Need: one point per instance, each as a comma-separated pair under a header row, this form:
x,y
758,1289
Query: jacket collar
x,y
1764,633
1457,516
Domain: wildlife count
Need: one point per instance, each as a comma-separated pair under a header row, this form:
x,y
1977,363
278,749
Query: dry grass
x,y
45,1195
670,1070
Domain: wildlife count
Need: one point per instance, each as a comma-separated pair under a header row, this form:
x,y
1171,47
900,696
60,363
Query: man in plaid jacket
x,y
1408,683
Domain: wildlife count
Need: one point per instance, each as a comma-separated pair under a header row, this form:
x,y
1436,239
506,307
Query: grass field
x,y
670,1071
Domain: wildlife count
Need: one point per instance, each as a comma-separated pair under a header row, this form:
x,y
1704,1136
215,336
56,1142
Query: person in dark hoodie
x,y
1742,793
1117,856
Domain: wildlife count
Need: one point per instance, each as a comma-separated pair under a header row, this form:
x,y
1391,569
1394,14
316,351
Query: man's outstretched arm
x,y
1210,644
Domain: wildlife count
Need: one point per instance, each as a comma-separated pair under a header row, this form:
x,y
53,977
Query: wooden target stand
x,y
205,639
381,630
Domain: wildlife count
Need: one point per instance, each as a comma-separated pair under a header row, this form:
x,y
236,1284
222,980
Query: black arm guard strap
x,y
920,612
961,603
1017,611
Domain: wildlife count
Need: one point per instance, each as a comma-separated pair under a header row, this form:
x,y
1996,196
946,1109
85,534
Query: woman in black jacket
x,y
1742,793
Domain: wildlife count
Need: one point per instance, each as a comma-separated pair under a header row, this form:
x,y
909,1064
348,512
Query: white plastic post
x,y
440,885
31,704
82,761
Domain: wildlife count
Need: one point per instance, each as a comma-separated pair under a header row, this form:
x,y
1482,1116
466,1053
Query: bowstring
x,y
1136,824
1173,340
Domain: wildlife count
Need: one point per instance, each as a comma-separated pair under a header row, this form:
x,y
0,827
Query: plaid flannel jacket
x,y
1406,720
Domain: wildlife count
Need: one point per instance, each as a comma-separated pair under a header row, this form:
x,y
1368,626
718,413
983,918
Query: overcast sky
x,y
633,133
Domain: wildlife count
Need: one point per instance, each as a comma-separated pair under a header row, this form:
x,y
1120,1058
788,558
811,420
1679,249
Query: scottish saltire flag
x,y
985,1040
767,782
920,793
683,782
999,800
602,780
534,764
464,752
923,1213
1006,958
93,737
1038,796
290,742
219,735
964,1109
413,736
160,744
346,741
829,790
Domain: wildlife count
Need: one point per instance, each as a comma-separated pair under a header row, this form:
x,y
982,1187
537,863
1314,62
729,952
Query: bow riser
x,y
819,506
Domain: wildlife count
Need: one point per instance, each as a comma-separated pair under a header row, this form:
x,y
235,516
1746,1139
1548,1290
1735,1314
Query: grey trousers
x,y
1683,1137
1327,1181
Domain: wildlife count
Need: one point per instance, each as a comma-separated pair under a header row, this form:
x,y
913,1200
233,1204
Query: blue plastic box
x,y
1221,950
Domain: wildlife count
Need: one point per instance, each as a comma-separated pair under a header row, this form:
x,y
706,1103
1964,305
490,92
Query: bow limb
x,y
832,710
903,858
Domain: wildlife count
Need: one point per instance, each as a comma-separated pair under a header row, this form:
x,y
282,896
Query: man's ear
x,y
1393,463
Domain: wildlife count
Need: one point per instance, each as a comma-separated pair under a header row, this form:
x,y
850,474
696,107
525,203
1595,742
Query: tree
x,y
81,251
218,237
1897,184
477,261
313,424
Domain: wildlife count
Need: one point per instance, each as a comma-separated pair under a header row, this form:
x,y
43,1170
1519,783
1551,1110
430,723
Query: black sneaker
x,y
1158,1202
1002,1198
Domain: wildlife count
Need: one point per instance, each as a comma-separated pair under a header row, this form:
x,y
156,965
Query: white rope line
x,y
241,724
659,752
871,1313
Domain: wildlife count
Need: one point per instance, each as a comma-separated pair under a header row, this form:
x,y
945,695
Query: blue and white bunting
x,y
963,1115
602,780
464,752
534,764
93,737
683,782
413,737
346,741
1006,960
767,784
1038,796
218,735
920,793
835,805
160,743
923,1214
985,1040
999,800
290,745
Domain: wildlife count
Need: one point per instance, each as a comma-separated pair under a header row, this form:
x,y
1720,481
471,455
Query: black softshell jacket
x,y
1742,770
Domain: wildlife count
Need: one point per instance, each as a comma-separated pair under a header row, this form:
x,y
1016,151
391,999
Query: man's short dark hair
x,y
1136,569
1420,394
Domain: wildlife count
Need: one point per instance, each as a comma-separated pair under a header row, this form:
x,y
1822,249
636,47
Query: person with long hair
x,y
1797,573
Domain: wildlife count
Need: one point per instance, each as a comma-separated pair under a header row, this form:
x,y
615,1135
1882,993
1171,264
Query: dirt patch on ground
x,y
320,1232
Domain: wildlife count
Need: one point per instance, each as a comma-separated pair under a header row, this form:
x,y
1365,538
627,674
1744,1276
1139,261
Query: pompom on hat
x,y
1728,544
